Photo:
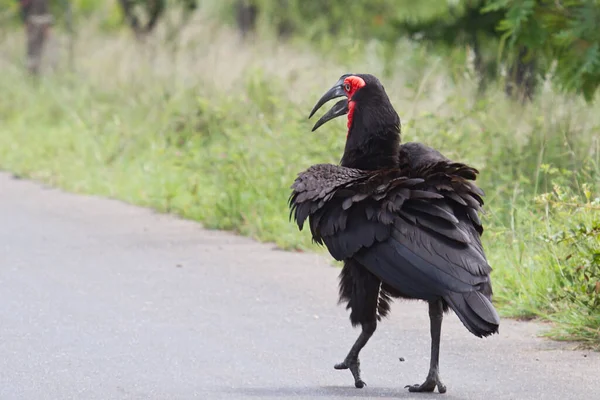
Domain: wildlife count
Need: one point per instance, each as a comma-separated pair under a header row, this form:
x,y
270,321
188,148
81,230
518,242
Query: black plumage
x,y
403,218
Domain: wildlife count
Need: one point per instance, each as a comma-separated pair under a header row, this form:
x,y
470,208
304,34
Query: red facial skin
x,y
351,85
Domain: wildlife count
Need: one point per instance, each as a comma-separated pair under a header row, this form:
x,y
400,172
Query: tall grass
x,y
216,130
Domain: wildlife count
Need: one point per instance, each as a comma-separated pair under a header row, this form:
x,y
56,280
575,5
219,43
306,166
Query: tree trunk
x,y
154,10
37,24
246,13
521,80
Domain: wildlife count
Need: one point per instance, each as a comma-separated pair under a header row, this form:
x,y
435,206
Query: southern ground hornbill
x,y
402,218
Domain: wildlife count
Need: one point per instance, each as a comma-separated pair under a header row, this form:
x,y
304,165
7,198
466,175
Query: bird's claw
x,y
359,384
428,386
354,367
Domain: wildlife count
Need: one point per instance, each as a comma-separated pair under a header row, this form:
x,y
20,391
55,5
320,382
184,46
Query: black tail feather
x,y
475,311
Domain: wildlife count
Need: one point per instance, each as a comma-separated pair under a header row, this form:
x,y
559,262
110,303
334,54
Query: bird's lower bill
x,y
339,109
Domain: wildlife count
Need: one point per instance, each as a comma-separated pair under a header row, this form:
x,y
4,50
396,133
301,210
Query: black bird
x,y
403,219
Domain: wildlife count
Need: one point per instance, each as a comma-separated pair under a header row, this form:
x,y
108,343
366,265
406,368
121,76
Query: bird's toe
x,y
420,388
428,386
354,366
441,387
360,384
341,365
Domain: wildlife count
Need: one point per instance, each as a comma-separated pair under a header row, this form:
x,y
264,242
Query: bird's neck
x,y
372,144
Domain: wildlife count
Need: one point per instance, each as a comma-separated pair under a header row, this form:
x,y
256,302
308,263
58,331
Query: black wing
x,y
418,230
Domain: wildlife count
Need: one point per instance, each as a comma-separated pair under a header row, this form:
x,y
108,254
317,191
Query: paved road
x,y
102,300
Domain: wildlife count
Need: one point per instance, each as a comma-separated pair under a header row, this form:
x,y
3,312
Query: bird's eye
x,y
347,87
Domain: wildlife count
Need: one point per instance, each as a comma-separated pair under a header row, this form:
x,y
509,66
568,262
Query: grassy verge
x,y
215,131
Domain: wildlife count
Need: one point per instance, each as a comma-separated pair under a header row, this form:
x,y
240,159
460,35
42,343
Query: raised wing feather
x,y
417,230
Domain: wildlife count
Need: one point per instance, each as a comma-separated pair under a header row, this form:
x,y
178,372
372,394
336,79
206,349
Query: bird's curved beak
x,y
340,108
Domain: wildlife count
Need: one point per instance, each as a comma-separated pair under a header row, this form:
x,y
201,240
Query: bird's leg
x,y
351,361
433,377
363,292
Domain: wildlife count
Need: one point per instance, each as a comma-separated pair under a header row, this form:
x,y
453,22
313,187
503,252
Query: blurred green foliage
x,y
564,34
140,15
532,38
540,33
66,12
571,250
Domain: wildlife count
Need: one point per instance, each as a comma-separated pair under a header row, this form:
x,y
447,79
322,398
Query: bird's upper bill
x,y
346,86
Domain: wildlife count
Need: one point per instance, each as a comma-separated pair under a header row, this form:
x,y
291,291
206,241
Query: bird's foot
x,y
354,366
429,385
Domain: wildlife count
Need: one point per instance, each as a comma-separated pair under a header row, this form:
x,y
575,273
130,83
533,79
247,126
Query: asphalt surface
x,y
103,300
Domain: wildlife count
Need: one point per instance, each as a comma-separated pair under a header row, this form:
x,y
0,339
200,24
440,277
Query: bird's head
x,y
372,121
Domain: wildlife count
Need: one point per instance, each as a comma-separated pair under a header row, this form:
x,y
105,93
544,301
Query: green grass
x,y
216,131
